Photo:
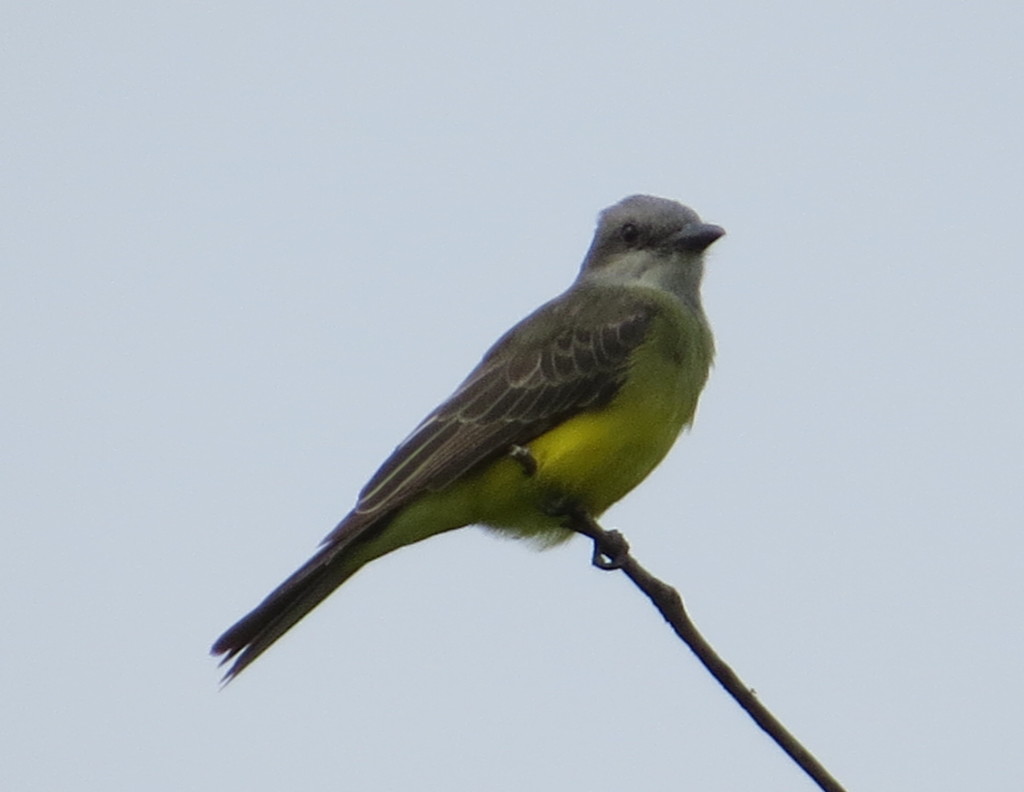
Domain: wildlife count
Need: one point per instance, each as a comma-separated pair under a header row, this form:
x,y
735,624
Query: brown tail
x,y
332,565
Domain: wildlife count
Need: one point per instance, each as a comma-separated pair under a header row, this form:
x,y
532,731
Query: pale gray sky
x,y
246,247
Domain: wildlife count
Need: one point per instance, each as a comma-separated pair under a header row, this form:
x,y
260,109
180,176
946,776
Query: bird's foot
x,y
522,455
611,550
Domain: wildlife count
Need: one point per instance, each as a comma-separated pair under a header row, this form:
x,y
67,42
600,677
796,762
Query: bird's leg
x,y
522,455
610,547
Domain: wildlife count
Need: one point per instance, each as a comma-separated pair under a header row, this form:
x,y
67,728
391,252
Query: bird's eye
x,y
630,233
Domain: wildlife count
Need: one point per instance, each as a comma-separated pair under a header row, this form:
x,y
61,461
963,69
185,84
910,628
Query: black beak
x,y
697,237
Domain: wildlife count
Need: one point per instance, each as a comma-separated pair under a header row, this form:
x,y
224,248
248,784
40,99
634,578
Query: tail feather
x,y
357,540
286,605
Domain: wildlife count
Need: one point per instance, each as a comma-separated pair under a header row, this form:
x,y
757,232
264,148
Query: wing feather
x,y
546,369
528,382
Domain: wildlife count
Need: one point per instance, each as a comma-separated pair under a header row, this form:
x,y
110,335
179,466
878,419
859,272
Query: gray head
x,y
650,240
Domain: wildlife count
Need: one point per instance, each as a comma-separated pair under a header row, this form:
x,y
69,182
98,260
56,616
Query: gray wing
x,y
570,355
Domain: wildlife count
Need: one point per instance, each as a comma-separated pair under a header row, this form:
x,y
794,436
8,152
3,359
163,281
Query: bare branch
x,y
611,551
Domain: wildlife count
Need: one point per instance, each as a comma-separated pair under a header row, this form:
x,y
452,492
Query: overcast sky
x,y
247,246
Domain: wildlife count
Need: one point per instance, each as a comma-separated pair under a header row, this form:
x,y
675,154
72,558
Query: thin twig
x,y
611,551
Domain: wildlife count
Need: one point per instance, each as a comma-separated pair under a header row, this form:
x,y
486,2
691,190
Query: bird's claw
x,y
610,550
522,455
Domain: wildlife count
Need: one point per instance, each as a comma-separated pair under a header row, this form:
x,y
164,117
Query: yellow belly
x,y
593,458
598,456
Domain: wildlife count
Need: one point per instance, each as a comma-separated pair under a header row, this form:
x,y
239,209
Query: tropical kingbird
x,y
570,409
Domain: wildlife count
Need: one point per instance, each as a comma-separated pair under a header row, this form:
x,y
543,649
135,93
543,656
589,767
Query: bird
x,y
569,410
